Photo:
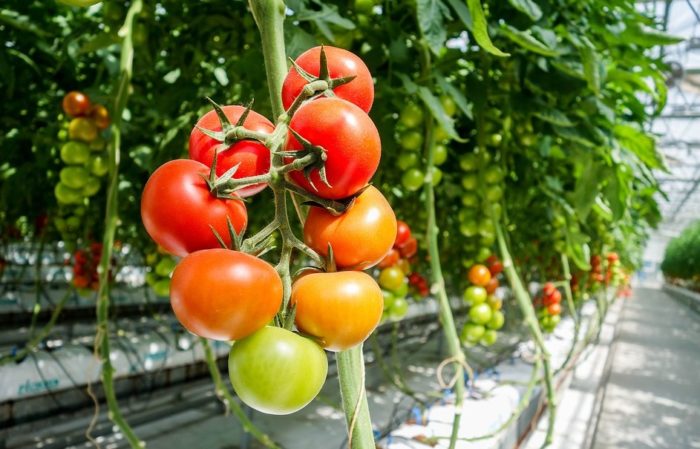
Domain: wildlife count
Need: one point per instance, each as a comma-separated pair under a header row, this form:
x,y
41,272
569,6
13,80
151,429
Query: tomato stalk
x,y
525,304
438,282
102,344
223,393
572,309
269,16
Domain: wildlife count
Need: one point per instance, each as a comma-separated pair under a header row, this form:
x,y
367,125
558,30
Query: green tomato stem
x,y
102,344
351,374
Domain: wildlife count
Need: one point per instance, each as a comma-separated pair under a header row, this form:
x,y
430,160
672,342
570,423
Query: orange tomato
x,y
360,237
76,104
554,309
491,285
391,259
479,275
341,309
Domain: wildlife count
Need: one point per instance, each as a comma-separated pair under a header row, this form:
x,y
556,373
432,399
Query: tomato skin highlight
x,y
351,142
177,209
253,156
341,309
276,371
360,237
223,294
341,63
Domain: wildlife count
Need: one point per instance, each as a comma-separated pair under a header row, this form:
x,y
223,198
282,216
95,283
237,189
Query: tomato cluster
x,y
396,274
85,263
160,269
193,207
410,138
85,159
549,314
483,190
485,317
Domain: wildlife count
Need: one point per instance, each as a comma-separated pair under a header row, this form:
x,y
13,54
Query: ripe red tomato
x,y
391,259
178,209
409,248
341,64
479,275
341,309
360,237
495,265
351,142
223,294
554,298
554,309
276,371
492,285
613,257
595,261
76,104
403,233
100,115
253,156
548,289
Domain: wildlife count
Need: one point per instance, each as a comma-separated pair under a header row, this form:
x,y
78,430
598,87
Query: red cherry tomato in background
x,y
341,309
391,259
351,142
178,209
360,237
409,249
403,233
548,289
76,104
100,115
341,64
252,157
492,285
223,294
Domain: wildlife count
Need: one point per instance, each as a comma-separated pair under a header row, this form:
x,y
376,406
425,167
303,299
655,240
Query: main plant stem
x,y
438,282
102,335
525,303
572,310
269,16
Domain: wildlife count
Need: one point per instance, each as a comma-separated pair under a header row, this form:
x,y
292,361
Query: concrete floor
x,y
652,397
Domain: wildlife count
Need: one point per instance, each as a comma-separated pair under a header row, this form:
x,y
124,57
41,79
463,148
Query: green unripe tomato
x,y
162,288
495,139
440,154
480,313
475,295
408,159
487,239
494,193
276,371
470,199
74,152
392,278
411,140
440,134
165,266
497,320
469,228
483,254
493,174
364,6
412,179
470,181
469,162
471,333
98,165
468,214
74,177
411,115
389,299
73,223
497,210
449,105
92,186
398,309
489,338
66,195
437,176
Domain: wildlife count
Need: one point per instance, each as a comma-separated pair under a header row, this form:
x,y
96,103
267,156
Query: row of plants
x,y
681,262
512,136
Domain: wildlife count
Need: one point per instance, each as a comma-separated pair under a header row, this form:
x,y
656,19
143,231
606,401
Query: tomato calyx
x,y
230,134
322,84
317,160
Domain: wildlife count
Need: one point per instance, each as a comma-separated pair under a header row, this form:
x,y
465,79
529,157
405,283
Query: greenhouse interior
x,y
350,224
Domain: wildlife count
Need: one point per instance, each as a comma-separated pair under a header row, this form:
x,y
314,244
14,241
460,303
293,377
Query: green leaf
x,y
457,95
98,42
640,144
574,135
648,37
430,14
586,189
527,7
554,116
481,30
460,8
591,67
527,41
434,106
572,68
